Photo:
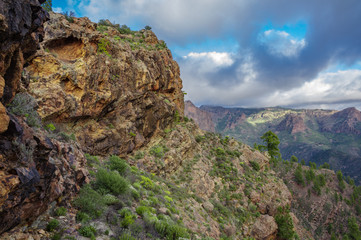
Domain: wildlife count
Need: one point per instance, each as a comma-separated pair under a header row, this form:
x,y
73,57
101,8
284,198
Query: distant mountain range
x,y
313,135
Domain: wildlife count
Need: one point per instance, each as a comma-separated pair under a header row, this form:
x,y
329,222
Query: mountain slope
x,y
314,135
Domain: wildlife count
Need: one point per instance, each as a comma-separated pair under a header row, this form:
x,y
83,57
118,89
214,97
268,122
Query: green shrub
x,y
112,181
60,211
110,199
82,217
147,182
158,151
255,165
69,16
103,44
91,160
24,105
90,202
118,164
52,225
139,155
124,29
87,231
128,220
56,236
285,223
50,127
147,28
141,210
126,236
294,159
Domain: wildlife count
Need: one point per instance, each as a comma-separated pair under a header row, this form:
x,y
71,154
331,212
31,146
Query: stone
x,y
4,119
264,228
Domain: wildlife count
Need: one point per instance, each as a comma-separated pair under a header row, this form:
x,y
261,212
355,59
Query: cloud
x,y
269,63
58,9
281,43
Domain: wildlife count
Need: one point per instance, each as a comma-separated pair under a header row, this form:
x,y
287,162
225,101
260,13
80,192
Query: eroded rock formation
x,y
113,91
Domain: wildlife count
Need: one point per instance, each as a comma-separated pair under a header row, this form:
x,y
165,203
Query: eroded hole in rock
x,y
66,49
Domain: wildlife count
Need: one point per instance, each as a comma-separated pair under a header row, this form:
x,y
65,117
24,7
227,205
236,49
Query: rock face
x,y
34,171
202,118
292,123
113,91
20,31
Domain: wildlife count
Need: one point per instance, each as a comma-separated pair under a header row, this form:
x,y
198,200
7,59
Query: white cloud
x,y
58,9
217,59
281,43
328,89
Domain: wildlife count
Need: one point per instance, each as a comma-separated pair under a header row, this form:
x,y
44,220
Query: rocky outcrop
x,y
265,228
292,123
35,170
20,31
202,118
113,91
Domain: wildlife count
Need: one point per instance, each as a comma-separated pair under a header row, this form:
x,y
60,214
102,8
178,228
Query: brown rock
x,y
35,171
4,119
265,228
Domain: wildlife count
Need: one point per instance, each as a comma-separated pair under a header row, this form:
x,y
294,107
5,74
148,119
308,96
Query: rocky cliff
x,y
113,91
36,168
203,118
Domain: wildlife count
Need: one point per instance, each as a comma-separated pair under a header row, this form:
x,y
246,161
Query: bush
x,y
60,211
255,165
112,181
110,199
87,231
294,159
82,217
126,236
90,202
285,223
128,220
147,182
124,29
52,225
141,210
147,28
24,105
103,44
91,159
118,164
158,151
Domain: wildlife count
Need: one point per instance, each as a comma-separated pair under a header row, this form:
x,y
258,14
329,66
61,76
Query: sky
x,y
251,53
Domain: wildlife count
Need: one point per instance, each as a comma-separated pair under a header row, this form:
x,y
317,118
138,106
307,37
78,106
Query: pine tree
x,y
271,140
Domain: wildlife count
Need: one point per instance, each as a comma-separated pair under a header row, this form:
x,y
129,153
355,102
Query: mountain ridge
x,y
309,134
